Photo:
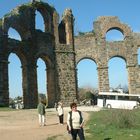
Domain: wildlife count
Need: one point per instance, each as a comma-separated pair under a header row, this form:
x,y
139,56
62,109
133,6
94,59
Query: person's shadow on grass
x,y
107,138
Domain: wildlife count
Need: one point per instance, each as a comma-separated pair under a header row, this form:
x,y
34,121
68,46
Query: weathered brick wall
x,y
94,46
66,73
61,59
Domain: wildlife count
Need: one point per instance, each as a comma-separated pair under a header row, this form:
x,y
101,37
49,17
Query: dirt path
x,y
23,125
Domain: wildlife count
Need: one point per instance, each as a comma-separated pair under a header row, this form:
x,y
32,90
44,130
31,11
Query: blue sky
x,y
85,13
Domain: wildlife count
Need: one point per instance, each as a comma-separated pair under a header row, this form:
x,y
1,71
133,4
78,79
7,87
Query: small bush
x,y
121,118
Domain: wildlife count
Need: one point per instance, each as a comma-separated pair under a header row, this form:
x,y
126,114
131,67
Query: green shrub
x,y
113,124
121,118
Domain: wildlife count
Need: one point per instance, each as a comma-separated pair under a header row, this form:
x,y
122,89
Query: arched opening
x,y
42,79
39,22
114,35
15,82
138,56
13,34
87,81
118,76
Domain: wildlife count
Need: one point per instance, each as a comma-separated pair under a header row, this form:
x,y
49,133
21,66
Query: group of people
x,y
75,119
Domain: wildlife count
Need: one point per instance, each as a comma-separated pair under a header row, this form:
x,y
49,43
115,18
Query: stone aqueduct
x,y
61,52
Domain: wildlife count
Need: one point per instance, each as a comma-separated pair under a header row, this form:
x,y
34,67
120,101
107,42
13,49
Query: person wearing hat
x,y
60,112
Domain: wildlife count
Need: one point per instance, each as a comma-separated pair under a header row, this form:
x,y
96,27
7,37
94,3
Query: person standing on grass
x,y
41,113
60,112
75,122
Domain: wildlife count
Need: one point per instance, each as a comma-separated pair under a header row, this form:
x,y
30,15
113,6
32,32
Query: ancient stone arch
x,y
61,52
59,58
94,45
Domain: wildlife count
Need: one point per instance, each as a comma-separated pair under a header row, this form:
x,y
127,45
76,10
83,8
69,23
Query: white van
x,y
118,100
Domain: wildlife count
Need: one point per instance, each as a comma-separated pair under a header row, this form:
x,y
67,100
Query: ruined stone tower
x,y
55,46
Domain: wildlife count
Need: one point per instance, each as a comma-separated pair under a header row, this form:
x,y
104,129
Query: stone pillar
x,y
103,79
29,83
69,21
4,86
51,83
66,77
55,24
65,63
137,74
131,79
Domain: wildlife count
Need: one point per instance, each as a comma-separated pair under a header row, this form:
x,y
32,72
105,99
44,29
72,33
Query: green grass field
x,y
113,125
6,109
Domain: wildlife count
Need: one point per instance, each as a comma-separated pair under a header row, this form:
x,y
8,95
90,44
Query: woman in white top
x,y
60,111
75,122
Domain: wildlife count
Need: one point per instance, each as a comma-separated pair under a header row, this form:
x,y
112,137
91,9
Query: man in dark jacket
x,y
41,113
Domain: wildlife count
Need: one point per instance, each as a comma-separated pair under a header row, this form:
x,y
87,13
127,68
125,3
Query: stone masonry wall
x,y
61,52
94,46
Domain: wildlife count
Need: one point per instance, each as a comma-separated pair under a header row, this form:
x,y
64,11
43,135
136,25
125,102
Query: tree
x,y
125,89
87,93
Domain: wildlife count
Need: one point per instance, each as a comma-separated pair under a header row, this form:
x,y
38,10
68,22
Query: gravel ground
x,y
23,124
